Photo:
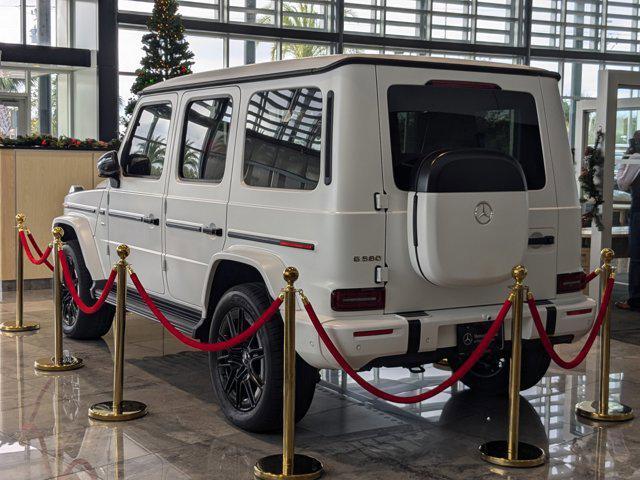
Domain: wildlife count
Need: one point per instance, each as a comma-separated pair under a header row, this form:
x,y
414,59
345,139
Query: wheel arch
x,y
233,267
78,228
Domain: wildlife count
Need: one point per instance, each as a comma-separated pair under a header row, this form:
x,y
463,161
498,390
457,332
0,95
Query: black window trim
x,y
131,135
538,116
183,132
328,139
244,142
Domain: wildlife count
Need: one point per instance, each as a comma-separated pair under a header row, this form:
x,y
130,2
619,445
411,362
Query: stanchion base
x,y
443,364
616,412
13,328
48,364
304,468
528,455
130,411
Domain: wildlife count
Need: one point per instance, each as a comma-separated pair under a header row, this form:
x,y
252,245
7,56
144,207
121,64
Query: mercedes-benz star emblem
x,y
483,213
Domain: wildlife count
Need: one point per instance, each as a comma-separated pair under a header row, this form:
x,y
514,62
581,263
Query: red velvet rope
x,y
537,321
208,347
68,280
38,251
27,250
458,374
591,276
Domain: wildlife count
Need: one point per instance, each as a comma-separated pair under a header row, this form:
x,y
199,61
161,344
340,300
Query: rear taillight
x,y
351,299
570,282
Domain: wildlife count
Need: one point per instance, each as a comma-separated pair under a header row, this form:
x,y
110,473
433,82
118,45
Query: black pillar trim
x,y
45,55
107,69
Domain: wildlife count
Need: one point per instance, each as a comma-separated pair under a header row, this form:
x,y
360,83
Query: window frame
x,y
185,121
322,135
130,134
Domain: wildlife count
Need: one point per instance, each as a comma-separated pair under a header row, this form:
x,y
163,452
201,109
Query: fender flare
x,y
82,228
269,266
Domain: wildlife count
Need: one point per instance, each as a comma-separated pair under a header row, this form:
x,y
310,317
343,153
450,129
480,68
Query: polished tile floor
x,y
45,432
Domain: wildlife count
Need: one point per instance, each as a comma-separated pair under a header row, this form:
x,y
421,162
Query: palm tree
x,y
301,17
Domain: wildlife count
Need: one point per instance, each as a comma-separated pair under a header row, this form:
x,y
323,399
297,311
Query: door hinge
x,y
381,201
381,274
164,264
108,251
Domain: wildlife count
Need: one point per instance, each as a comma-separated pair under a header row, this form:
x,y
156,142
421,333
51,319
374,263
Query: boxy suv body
x,y
403,189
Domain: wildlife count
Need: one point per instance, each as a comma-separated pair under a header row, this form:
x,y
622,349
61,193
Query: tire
x,y
255,365
75,323
491,373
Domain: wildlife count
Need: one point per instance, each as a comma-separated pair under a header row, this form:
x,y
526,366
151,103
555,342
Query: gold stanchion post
x,y
59,362
512,452
603,409
19,325
289,465
118,409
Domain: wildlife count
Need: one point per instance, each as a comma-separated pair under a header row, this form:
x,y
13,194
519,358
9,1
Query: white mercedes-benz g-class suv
x,y
404,189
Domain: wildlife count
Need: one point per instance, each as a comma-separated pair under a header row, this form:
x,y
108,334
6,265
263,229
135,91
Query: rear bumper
x,y
434,330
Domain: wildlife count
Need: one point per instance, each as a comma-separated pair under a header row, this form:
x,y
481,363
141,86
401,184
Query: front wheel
x,y
75,323
247,379
491,373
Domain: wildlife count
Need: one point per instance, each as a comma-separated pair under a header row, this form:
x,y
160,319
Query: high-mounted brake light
x,y
354,299
463,84
570,282
582,311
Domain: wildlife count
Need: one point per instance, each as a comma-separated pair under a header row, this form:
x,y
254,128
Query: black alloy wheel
x,y
241,368
247,379
75,323
69,308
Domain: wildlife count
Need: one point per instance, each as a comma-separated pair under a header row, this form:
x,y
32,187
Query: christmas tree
x,y
167,53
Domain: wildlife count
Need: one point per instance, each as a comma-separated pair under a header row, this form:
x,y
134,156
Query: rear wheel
x,y
248,378
75,323
491,373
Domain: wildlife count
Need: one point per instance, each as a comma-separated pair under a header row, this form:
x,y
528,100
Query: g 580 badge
x,y
367,258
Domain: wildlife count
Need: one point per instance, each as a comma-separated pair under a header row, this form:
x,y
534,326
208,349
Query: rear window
x,y
427,118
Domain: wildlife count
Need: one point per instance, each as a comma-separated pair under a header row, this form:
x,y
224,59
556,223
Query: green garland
x,y
591,182
58,143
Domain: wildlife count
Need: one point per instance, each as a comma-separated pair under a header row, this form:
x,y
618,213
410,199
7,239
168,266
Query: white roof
x,y
312,64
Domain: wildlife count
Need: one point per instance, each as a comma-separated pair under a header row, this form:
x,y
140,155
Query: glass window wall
x,y
35,22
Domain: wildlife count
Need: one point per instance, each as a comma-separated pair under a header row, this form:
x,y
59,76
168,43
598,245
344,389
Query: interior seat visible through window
x,y
426,119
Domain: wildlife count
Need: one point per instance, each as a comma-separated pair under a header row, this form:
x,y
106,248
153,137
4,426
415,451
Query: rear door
x,y
462,113
196,209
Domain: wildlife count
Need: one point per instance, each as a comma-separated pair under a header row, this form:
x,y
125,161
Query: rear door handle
x,y
211,229
151,220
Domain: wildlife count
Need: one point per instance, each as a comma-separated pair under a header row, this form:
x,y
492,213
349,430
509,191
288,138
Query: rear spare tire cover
x,y
468,217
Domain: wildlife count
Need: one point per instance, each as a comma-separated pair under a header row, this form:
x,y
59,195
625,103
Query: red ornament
x,y
183,69
43,143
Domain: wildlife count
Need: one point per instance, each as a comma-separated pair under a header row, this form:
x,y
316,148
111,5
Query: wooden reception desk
x,y
34,182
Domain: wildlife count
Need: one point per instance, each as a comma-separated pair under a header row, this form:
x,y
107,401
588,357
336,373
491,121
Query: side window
x,y
283,139
147,147
205,140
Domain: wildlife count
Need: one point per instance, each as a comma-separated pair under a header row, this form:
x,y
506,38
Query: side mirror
x,y
139,164
108,167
